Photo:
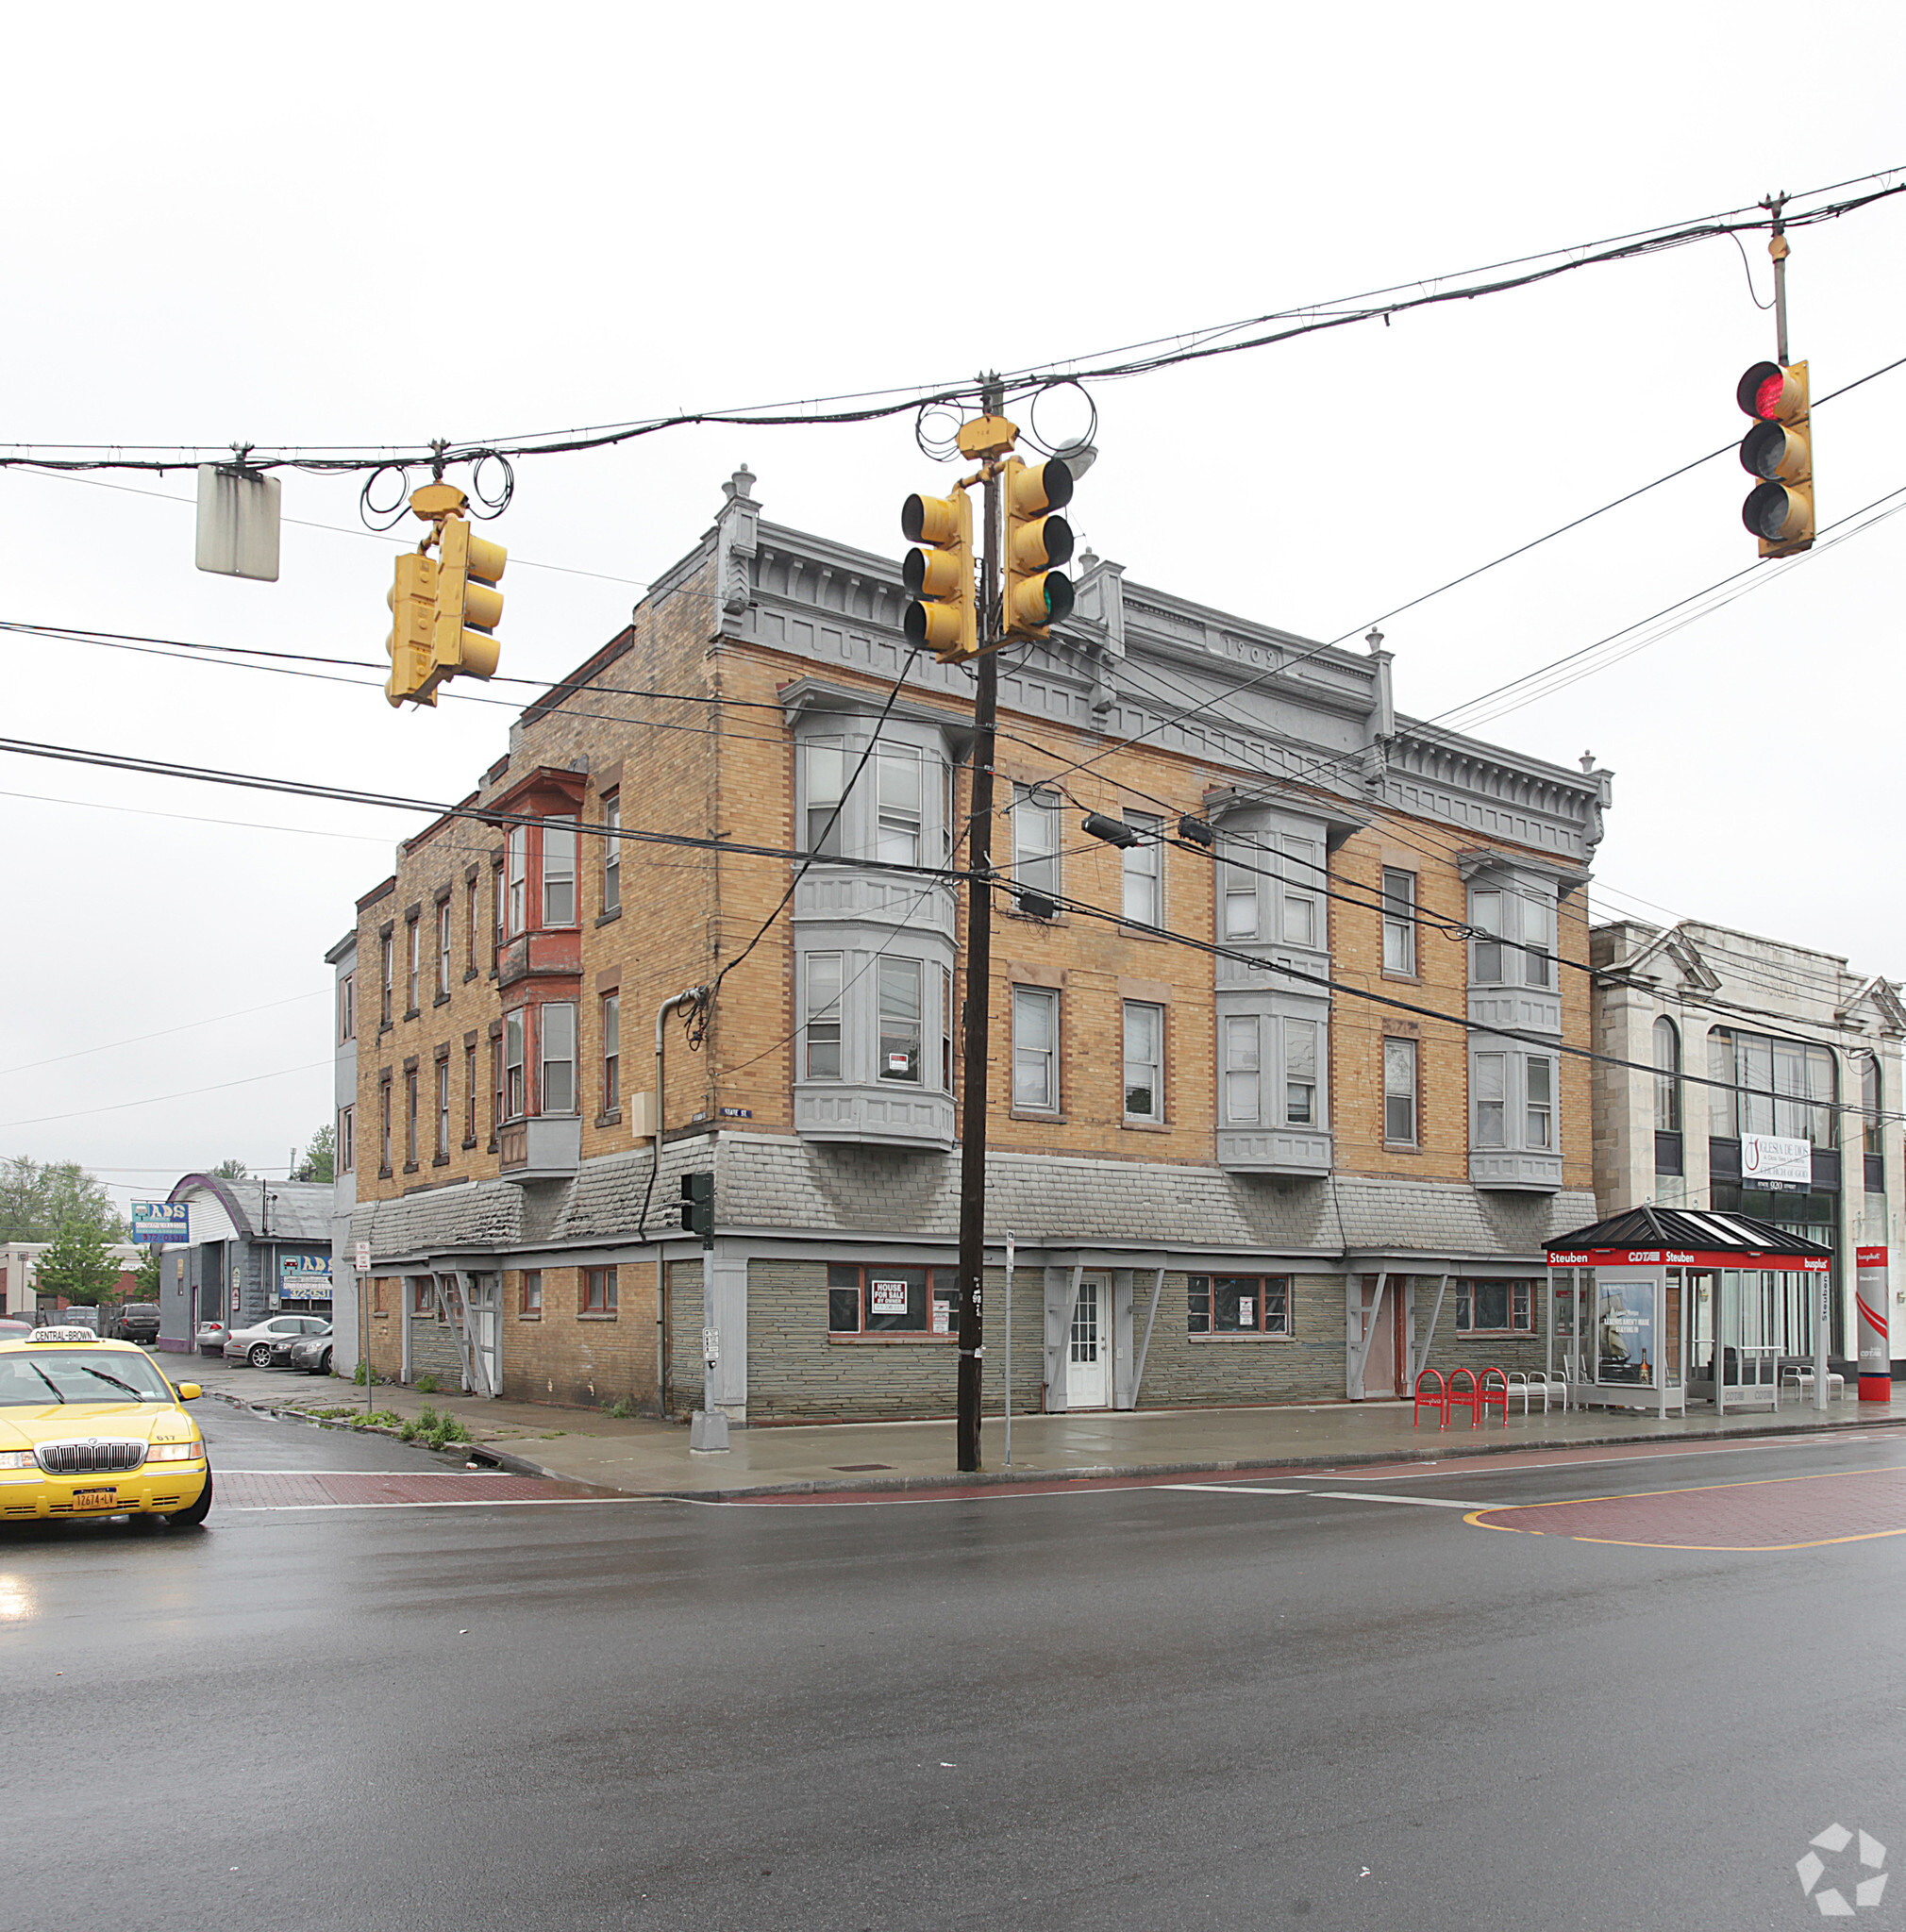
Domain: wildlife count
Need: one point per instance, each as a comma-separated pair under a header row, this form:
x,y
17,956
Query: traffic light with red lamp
x,y
1037,594
944,616
1778,450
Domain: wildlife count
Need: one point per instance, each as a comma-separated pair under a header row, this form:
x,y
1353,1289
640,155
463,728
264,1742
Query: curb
x,y
1001,1478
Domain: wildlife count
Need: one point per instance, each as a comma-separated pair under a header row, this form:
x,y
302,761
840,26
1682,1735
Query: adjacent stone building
x,y
1777,1095
258,1246
1277,1079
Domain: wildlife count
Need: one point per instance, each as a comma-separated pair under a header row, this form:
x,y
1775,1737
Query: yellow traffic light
x,y
943,617
1778,450
469,604
1037,593
413,616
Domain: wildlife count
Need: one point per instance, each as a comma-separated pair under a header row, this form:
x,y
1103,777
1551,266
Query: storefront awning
x,y
1687,1238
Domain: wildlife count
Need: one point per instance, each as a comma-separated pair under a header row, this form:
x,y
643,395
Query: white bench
x,y
1535,1382
1801,1381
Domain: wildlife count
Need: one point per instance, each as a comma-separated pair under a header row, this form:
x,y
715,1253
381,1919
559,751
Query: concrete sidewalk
x,y
641,1457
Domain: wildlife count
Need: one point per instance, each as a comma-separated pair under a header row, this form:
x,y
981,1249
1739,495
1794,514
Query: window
x,y
612,853
827,795
1514,943
556,1035
1399,1093
1144,1061
1300,1073
611,1052
444,948
1491,1099
598,1291
413,944
410,1118
1872,1126
1399,921
499,891
515,1098
1538,1093
443,1108
1301,869
473,901
386,968
530,1303
1244,1083
1668,1085
423,1295
881,1300
470,1094
823,1016
1238,1304
900,1017
516,867
499,1109
1511,1089
901,800
1035,1048
1143,870
945,1029
559,871
1035,839
347,1007
384,1123
1782,1086
347,1139
1500,1307
1240,894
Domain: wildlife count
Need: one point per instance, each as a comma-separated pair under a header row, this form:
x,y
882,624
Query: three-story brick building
x,y
1270,1098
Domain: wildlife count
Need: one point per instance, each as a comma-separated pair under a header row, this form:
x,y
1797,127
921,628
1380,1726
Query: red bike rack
x,y
1469,1397
1436,1398
1492,1395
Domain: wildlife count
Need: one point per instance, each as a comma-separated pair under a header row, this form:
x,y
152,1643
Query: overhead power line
x,y
1194,345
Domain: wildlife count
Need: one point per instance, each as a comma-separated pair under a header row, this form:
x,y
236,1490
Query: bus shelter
x,y
1658,1306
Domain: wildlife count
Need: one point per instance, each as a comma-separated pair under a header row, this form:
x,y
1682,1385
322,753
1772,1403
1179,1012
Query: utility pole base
x,y
708,1432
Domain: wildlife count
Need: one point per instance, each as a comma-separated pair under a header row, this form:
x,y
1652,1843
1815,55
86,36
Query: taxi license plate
x,y
95,1499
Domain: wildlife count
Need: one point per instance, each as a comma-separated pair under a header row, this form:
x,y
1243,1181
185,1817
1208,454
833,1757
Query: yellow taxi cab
x,y
93,1428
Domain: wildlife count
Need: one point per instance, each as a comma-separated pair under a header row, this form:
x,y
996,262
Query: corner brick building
x,y
1230,1178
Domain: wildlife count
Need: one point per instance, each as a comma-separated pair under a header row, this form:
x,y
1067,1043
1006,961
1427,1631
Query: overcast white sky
x,y
369,224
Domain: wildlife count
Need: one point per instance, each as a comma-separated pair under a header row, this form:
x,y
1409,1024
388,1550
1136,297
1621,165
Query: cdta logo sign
x,y
1831,1899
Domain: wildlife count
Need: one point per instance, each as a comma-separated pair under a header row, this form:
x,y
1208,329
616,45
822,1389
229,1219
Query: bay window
x,y
1244,1085
1272,888
1512,1096
900,1019
826,790
1515,937
515,1100
902,803
1270,1071
823,1016
516,869
556,1037
559,872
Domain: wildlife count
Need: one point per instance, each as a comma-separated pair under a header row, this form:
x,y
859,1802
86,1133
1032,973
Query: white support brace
x,y
1145,1347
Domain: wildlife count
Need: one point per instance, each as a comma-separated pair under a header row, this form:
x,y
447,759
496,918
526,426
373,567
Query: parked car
x,y
257,1343
312,1354
136,1322
14,1331
211,1338
281,1345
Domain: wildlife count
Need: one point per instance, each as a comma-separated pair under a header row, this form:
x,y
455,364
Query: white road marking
x,y
424,1502
1329,1495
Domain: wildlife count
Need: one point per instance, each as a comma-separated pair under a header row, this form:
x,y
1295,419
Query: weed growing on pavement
x,y
377,1419
428,1385
359,1376
622,1410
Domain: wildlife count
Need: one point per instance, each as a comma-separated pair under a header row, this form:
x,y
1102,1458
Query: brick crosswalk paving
x,y
1783,1513
340,1489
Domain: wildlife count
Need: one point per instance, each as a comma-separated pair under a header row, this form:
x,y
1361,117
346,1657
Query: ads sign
x,y
1768,1160
160,1220
304,1278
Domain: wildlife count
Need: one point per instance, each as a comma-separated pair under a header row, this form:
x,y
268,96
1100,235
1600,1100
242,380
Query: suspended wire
x,y
873,405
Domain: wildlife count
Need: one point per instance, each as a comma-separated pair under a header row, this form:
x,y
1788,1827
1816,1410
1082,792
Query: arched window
x,y
1668,1085
1873,1128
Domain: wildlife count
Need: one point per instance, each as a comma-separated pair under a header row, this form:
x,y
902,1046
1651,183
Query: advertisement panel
x,y
160,1220
1624,1330
1768,1160
1876,1345
304,1278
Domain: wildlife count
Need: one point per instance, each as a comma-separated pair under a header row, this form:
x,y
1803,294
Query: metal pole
x,y
1777,247
975,1034
1008,1351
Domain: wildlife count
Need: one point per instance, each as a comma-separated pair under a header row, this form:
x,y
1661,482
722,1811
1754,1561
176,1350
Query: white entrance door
x,y
1088,1366
484,1316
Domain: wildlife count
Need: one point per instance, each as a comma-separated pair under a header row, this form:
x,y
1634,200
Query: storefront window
x,y
882,1300
1238,1304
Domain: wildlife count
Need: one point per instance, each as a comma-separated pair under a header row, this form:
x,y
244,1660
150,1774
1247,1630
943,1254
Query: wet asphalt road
x,y
1124,1708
